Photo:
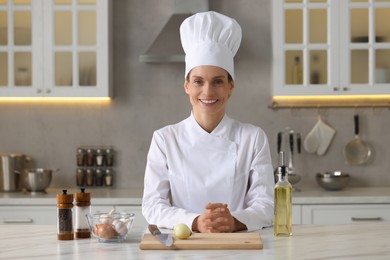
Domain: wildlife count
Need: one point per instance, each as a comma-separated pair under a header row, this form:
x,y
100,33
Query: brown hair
x,y
230,78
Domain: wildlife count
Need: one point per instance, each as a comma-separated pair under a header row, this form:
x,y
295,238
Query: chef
x,y
209,171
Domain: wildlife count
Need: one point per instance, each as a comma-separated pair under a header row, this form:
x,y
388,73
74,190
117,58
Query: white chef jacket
x,y
188,167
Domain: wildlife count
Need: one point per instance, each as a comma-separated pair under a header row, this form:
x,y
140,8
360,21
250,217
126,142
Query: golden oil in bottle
x,y
283,203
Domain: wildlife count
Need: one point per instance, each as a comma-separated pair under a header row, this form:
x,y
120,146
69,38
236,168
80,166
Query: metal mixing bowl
x,y
36,180
335,180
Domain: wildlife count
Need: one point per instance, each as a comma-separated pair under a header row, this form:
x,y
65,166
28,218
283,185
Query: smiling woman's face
x,y
209,88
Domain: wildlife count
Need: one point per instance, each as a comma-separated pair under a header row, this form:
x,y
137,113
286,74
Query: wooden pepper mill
x,y
64,216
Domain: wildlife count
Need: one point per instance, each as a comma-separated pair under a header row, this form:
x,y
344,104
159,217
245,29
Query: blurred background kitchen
x,y
148,96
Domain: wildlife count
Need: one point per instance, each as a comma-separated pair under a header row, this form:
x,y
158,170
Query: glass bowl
x,y
110,227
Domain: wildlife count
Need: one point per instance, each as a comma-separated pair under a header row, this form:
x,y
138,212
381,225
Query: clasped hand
x,y
215,219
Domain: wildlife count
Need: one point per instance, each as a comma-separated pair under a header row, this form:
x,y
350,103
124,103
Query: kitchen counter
x,y
349,195
133,196
102,196
363,241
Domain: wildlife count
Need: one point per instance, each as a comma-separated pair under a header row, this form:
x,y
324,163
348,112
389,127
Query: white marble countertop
x,y
349,195
99,196
358,241
133,196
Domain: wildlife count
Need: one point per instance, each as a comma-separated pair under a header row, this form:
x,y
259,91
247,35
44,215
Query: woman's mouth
x,y
208,101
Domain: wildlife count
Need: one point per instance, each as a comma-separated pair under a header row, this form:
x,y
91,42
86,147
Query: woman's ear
x,y
186,86
231,88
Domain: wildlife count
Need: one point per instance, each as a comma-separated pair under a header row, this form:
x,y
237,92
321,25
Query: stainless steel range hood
x,y
167,46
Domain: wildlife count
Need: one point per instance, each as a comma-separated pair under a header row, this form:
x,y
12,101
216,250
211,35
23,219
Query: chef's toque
x,y
210,38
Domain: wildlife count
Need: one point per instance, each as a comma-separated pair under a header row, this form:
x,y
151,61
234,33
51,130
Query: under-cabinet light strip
x,y
330,101
54,99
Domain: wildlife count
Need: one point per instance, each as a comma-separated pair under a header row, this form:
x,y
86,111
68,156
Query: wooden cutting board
x,y
206,241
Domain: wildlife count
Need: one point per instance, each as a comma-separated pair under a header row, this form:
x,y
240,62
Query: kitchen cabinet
x,y
296,214
331,49
55,49
345,214
47,215
34,215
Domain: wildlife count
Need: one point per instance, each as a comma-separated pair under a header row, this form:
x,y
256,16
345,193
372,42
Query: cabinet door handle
x,y
17,220
366,219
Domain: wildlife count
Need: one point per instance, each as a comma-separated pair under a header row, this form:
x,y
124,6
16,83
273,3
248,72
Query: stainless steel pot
x,y
37,180
11,165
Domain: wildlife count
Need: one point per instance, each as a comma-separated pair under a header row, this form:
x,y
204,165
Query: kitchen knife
x,y
165,239
279,142
299,143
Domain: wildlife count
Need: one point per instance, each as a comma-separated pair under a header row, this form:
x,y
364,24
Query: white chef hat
x,y
210,38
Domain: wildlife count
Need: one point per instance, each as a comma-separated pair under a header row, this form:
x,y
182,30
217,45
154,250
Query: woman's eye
x,y
197,82
219,82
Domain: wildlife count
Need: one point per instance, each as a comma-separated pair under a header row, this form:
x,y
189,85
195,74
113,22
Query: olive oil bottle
x,y
283,202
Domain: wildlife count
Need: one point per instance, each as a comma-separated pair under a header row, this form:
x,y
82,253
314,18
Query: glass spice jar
x,y
99,157
90,157
64,216
80,177
108,178
99,177
90,177
81,157
109,157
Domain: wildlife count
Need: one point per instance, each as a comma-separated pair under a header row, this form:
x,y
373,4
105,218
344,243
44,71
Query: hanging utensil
x,y
278,148
291,152
357,151
299,143
292,176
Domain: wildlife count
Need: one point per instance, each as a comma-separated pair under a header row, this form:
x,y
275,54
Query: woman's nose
x,y
207,88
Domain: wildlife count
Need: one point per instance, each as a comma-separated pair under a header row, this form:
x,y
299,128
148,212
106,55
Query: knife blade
x,y
165,239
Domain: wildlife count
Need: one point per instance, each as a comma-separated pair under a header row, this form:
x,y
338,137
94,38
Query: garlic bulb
x,y
120,227
107,218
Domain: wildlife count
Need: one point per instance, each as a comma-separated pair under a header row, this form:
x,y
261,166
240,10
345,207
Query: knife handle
x,y
154,229
299,142
291,141
279,142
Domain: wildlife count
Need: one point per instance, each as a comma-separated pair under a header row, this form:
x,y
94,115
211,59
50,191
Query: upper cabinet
x,y
56,48
331,52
